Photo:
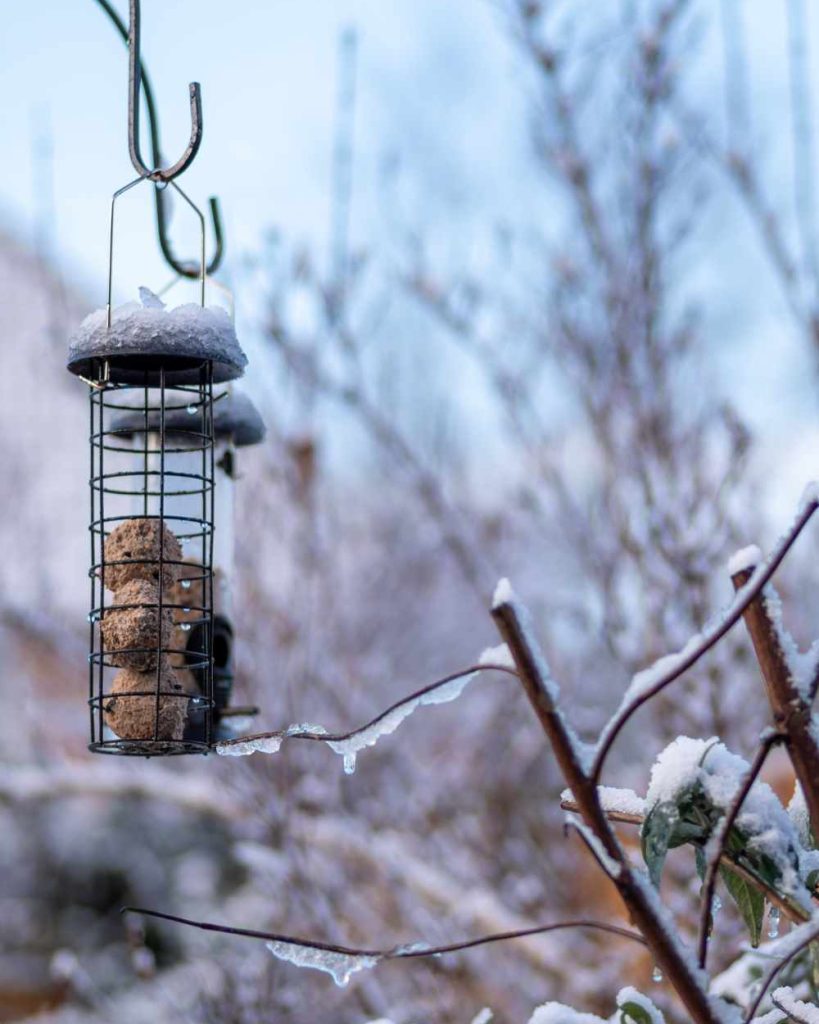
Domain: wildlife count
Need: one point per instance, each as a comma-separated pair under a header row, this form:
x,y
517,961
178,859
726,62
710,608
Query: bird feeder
x,y
236,424
152,520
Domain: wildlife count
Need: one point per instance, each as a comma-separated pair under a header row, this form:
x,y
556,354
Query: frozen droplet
x,y
186,584
191,410
656,974
186,610
185,627
773,922
349,762
716,906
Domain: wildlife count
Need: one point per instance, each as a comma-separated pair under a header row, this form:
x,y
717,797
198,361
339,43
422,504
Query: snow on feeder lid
x,y
145,339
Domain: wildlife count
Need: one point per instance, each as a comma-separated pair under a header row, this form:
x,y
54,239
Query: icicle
x,y
349,762
341,966
656,974
773,922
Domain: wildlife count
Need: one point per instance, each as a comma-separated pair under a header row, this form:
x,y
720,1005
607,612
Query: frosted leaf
x,y
340,966
631,995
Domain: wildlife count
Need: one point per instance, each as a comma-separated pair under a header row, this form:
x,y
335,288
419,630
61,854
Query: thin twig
x,y
709,639
396,952
338,737
812,935
767,741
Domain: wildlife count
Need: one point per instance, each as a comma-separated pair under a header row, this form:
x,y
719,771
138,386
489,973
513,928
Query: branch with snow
x,y
349,744
341,962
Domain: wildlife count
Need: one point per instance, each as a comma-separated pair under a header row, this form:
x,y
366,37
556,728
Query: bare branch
x,y
338,737
691,654
396,952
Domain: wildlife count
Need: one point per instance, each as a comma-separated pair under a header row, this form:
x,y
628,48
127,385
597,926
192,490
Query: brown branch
x,y
791,710
512,622
767,742
396,952
710,637
793,911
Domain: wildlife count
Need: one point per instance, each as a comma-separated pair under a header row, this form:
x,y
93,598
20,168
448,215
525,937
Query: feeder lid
x,y
146,338
235,417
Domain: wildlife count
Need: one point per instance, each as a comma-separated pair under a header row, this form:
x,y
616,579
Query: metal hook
x,y
189,269
134,79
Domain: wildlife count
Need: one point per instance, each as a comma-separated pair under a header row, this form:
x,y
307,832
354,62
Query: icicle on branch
x,y
343,961
348,744
650,682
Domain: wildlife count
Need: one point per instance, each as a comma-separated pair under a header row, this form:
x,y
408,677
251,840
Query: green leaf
x,y
749,900
655,837
633,1013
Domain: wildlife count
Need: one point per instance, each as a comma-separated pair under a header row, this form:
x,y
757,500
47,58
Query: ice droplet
x,y
773,922
187,610
716,906
656,974
186,584
341,966
185,627
349,762
191,410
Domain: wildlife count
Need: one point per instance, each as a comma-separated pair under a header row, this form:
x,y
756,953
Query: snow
x,y
341,966
785,1000
687,762
503,593
243,748
744,559
351,745
802,666
500,655
614,800
631,995
607,862
558,1013
148,325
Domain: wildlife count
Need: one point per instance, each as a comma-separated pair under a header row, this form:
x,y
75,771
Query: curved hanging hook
x,y
134,78
190,269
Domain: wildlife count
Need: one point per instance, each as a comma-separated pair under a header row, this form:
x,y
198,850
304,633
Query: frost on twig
x,y
349,744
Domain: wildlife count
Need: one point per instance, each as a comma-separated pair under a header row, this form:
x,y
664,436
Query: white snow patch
x,y
484,1016
799,1010
341,966
500,655
503,593
262,745
614,800
744,559
558,1013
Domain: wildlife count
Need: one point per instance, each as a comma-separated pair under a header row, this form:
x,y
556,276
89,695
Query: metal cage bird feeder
x,y
236,424
151,657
